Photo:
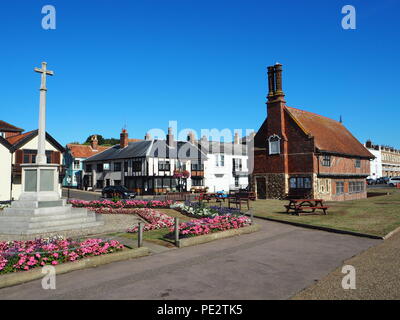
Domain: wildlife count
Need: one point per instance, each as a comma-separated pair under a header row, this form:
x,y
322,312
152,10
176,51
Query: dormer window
x,y
274,144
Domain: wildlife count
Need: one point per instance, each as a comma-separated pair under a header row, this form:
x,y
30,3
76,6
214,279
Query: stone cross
x,y
41,156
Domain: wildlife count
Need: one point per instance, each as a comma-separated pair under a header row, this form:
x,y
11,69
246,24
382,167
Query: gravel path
x,y
112,223
377,276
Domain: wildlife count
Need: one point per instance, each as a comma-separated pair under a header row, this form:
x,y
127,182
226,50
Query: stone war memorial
x,y
40,209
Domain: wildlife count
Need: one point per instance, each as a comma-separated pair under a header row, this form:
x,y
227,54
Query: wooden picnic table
x,y
302,206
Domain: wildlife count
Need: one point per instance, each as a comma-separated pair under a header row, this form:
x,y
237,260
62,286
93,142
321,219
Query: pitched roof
x,y
15,139
329,135
228,148
5,143
84,151
6,127
152,148
21,139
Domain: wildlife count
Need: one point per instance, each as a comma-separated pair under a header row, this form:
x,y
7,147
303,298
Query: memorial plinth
x,y
40,209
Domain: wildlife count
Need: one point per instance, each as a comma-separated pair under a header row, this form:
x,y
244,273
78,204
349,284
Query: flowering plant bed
x,y
196,209
25,255
209,225
156,219
120,204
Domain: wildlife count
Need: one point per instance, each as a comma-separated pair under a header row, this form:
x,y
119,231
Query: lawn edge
x,y
12,279
327,229
193,241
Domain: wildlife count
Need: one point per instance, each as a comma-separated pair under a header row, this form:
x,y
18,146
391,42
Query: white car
x,y
393,181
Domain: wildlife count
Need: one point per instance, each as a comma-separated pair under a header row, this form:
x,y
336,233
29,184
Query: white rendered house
x,y
226,167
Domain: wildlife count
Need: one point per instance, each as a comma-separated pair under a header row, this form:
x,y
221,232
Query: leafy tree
x,y
100,139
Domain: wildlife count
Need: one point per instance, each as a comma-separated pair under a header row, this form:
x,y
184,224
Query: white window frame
x,y
278,141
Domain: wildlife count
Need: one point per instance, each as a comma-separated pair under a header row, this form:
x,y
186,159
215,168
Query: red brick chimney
x,y
276,112
94,142
123,139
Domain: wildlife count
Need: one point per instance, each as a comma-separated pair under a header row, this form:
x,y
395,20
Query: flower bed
x,y
208,225
25,255
196,209
120,204
156,219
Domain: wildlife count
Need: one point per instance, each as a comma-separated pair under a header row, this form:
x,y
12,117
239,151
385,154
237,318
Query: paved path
x,y
377,276
274,263
81,195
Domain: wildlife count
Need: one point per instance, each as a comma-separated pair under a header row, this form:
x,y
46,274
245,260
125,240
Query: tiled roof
x,y
329,135
84,151
6,127
19,137
19,140
152,148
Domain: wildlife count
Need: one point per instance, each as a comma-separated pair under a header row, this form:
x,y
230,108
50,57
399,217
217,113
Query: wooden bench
x,y
238,199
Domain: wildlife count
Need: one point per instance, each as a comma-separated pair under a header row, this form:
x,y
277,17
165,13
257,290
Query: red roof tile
x,y
329,135
84,151
15,139
6,127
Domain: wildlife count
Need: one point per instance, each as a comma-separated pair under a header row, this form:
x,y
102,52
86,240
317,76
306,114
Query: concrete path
x,y
376,273
275,263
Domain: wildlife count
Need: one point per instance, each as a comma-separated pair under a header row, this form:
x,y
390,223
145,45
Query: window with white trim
x,y
274,142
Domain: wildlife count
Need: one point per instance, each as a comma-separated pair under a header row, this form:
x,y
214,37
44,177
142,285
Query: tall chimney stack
x,y
275,91
170,138
271,81
94,142
278,80
123,139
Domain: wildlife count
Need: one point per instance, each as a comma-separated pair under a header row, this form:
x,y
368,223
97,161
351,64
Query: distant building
x,y
22,148
303,154
226,166
74,156
386,162
147,167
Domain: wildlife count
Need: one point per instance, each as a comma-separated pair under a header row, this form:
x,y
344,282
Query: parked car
x,y
393,181
119,191
371,181
382,180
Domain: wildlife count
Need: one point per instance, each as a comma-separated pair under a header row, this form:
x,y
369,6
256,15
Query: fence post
x,y
251,215
177,243
140,235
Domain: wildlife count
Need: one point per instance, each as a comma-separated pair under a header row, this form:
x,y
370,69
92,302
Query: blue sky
x,y
202,63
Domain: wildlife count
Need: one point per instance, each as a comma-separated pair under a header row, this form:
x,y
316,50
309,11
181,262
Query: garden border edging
x,y
15,278
309,226
192,241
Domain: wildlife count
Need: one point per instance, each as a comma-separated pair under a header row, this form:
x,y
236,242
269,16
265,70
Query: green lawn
x,y
377,215
158,236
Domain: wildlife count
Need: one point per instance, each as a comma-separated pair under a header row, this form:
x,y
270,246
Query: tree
x,y
100,139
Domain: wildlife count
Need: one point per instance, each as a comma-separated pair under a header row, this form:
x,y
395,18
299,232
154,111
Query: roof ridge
x,y
317,114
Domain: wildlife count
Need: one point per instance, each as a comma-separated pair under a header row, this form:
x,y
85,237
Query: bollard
x,y
140,235
177,232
